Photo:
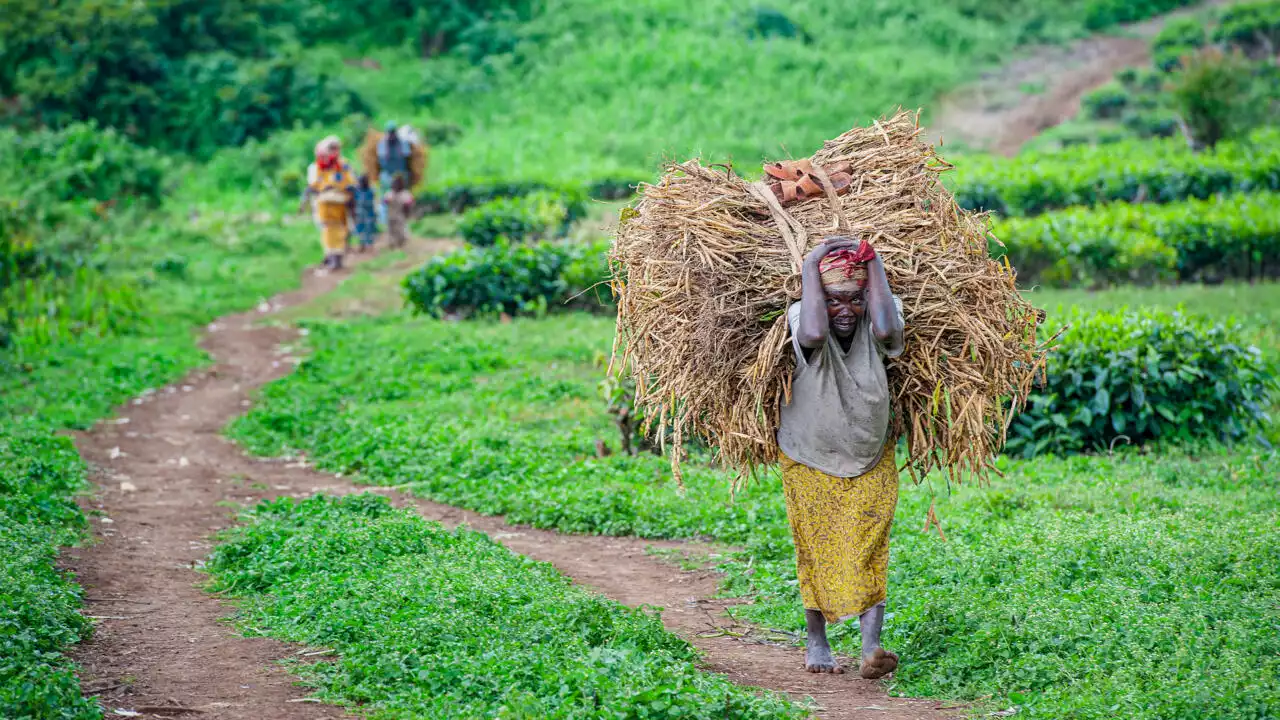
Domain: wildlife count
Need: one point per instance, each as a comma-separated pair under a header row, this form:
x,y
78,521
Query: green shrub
x,y
1138,377
507,278
1210,94
1252,26
1157,123
464,196
1230,237
82,162
1179,37
1107,102
528,217
1160,171
1105,13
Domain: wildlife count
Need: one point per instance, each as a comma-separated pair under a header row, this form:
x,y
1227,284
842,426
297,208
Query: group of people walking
x,y
346,204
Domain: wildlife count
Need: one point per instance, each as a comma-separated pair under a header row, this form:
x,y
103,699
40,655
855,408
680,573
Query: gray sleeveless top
x,y
838,417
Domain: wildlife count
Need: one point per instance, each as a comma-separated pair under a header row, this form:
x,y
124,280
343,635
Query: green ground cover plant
x,y
504,419
436,623
1224,237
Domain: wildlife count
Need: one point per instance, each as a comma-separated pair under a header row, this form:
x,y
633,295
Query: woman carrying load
x,y
838,471
331,186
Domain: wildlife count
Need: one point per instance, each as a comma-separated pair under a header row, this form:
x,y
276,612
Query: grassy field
x,y
1086,586
589,87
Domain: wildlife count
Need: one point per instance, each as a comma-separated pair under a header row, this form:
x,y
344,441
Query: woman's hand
x,y
828,246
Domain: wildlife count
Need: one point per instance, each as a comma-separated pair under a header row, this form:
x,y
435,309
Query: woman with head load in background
x,y
838,470
331,185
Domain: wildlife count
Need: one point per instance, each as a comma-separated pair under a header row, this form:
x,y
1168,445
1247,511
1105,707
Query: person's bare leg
x,y
817,655
876,661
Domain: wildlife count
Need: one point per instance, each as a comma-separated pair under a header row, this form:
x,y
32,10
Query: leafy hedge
x,y
464,196
1161,171
1105,13
507,278
529,217
1138,377
1233,236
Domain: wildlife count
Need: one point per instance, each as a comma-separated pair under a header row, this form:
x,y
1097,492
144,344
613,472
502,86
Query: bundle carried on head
x,y
707,263
417,161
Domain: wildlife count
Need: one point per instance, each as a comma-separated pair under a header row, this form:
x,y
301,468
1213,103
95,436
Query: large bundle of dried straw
x,y
706,264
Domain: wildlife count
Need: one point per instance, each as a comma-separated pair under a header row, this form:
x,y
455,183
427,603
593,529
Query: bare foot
x,y
878,664
818,659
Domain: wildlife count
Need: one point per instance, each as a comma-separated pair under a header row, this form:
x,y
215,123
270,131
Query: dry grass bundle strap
x,y
706,264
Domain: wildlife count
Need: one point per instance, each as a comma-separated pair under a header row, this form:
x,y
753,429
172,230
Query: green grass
x,y
227,258
1089,587
429,622
593,87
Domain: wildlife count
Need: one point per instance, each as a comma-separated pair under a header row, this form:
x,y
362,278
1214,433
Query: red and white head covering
x,y
328,151
846,269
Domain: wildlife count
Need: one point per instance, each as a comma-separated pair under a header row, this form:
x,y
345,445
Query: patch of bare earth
x,y
1044,87
167,481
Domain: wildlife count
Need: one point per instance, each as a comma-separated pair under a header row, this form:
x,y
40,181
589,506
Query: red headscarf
x,y
846,267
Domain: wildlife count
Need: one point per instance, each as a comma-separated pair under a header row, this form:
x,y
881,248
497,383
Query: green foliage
x,y
1107,102
436,623
178,74
1148,171
528,217
1142,377
1177,39
506,278
1209,94
1252,26
765,23
1105,13
80,162
1062,561
1234,236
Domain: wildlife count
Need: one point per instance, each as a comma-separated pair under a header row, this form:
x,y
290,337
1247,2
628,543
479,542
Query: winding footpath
x,y
167,480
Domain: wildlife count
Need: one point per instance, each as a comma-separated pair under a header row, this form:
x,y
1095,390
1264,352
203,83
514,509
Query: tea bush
x,y
1178,38
1252,26
529,217
506,278
1133,171
1139,377
1233,236
1107,102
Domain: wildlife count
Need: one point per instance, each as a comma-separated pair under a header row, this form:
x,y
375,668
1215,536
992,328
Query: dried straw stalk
x,y
706,264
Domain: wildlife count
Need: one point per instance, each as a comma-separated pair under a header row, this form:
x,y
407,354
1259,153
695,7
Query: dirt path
x,y
167,480
1044,88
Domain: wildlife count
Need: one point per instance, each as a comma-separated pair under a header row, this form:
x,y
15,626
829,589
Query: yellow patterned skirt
x,y
333,226
841,532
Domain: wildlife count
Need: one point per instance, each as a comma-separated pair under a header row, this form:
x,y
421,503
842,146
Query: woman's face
x,y
844,309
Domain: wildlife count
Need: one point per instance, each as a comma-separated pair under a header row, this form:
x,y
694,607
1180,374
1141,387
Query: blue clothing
x,y
366,216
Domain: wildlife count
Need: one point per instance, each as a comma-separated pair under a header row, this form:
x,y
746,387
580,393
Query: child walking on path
x,y
399,204
839,476
366,213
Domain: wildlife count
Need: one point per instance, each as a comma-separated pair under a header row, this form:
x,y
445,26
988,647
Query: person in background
x,y
393,159
331,187
839,476
399,204
366,213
